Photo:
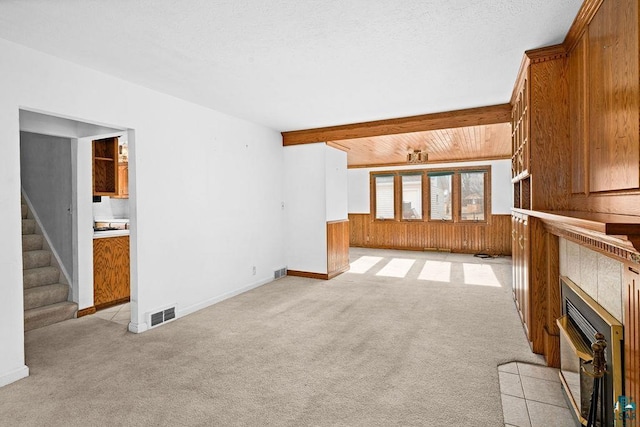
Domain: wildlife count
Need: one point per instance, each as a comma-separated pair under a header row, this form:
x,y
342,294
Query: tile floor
x,y
120,314
532,396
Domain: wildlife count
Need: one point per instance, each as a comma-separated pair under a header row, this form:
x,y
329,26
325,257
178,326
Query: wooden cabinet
x,y
604,104
540,131
613,79
105,167
521,261
123,181
110,271
530,279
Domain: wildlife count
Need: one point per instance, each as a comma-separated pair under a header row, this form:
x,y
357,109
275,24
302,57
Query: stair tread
x,y
31,242
49,314
49,275
40,296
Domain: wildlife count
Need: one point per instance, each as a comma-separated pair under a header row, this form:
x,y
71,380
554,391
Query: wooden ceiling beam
x,y
447,120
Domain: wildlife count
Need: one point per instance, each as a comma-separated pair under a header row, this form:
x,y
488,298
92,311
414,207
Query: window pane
x,y
411,196
384,197
440,187
472,196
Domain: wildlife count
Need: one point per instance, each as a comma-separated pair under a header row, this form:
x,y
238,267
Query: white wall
x,y
305,207
336,182
501,191
223,176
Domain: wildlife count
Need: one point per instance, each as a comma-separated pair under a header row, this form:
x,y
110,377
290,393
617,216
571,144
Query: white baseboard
x,y
138,328
207,303
14,375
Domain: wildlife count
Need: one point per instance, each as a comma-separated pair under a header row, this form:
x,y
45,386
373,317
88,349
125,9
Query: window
x,y
472,185
412,196
440,188
454,195
384,194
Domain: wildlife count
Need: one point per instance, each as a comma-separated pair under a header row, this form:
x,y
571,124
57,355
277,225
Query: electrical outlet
x,y
254,270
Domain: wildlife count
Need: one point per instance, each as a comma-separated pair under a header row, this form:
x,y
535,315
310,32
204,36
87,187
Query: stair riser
x,y
41,277
28,226
45,295
31,242
35,259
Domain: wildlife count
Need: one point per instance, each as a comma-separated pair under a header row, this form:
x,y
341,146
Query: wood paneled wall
x,y
337,247
494,237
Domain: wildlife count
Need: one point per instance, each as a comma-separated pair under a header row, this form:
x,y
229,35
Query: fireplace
x,y
582,317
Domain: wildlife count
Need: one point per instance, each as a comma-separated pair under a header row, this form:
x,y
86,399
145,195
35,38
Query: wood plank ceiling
x,y
482,133
483,142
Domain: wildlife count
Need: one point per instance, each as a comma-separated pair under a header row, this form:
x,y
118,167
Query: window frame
x,y
486,198
422,194
456,194
373,197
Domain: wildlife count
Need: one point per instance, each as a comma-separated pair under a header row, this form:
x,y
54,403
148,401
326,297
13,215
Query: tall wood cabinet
x,y
540,182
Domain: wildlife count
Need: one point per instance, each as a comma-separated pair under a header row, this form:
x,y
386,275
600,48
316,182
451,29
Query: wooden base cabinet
x,y
529,287
111,284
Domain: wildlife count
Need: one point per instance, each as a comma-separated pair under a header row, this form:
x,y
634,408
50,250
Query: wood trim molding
x,y
479,159
583,18
447,120
112,303
86,311
308,274
547,53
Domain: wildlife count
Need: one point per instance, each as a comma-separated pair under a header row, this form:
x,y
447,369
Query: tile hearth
x,y
532,396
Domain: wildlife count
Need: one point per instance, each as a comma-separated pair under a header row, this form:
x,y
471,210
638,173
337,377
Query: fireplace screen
x,y
582,318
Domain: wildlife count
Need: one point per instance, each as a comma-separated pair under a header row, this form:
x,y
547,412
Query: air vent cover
x,y
280,273
162,316
156,319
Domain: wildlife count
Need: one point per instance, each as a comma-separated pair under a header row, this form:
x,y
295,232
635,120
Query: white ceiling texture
x,y
299,64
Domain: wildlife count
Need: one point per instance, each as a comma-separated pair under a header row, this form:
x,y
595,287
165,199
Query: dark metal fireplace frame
x,y
581,317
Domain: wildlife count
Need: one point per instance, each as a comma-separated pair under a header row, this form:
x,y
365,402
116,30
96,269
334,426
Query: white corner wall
x,y
305,207
206,191
501,191
337,185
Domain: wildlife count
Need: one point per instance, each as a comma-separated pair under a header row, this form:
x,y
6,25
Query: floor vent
x,y
162,316
280,273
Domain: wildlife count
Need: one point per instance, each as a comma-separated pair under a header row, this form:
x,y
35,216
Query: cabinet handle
x,y
520,242
513,234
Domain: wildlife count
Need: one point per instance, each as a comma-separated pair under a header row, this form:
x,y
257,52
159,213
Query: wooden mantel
x,y
621,231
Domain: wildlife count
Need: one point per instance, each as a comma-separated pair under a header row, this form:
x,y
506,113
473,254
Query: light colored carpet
x,y
359,350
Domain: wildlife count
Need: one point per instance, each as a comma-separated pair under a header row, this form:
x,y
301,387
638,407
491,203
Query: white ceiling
x,y
298,64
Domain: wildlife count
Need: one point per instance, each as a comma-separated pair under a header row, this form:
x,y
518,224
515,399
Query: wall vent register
x,y
162,316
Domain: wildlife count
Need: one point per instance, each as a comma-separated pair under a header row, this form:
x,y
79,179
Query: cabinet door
x,y
614,150
105,167
123,181
110,271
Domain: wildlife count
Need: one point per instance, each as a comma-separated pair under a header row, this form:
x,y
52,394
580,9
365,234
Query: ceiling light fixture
x,y
417,156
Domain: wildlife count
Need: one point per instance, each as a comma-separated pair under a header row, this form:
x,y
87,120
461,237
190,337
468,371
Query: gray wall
x,y
45,171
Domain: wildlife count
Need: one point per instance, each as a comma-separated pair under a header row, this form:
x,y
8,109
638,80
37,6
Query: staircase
x,y
45,293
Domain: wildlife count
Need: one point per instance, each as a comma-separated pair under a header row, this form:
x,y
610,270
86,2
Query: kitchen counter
x,y
110,227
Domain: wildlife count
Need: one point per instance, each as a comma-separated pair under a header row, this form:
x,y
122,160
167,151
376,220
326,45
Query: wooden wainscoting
x,y
337,247
493,237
